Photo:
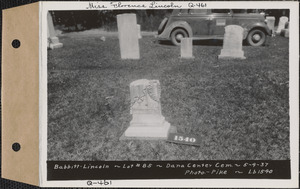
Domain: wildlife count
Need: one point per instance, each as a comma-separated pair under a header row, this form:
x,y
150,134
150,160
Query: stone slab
x,y
281,24
271,23
232,43
55,45
222,57
128,36
173,129
285,33
186,48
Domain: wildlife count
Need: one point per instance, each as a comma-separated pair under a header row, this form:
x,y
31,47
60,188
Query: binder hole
x,y
16,146
16,43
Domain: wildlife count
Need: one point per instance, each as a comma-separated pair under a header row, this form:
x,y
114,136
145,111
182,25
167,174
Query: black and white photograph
x,y
169,85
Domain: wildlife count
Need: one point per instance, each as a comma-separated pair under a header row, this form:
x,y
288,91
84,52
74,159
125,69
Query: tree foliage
x,y
107,19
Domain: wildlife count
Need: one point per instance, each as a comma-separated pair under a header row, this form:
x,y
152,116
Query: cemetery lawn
x,y
239,108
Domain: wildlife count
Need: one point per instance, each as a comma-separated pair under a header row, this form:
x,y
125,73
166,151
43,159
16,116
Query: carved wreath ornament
x,y
149,89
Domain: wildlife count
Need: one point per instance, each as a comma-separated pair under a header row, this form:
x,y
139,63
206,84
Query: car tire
x,y
162,26
177,35
256,37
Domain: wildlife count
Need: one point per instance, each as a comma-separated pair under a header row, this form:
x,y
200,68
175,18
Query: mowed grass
x,y
239,108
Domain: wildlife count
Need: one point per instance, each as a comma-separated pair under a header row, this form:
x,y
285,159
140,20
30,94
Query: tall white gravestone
x,y
53,41
233,43
281,24
271,23
147,120
128,36
186,48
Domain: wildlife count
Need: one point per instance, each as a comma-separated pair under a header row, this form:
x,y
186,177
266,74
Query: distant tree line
x,y
107,19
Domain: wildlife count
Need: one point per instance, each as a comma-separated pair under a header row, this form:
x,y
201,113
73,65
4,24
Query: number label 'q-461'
x,y
183,139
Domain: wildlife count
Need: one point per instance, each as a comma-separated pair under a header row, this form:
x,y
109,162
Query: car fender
x,y
261,26
178,24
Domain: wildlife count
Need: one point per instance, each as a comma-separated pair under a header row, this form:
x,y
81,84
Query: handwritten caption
x,y
109,170
99,183
217,168
144,5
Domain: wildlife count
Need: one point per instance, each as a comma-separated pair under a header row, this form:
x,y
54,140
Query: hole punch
x,y
16,43
16,147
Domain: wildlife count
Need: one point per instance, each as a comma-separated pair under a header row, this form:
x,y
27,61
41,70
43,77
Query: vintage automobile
x,y
210,24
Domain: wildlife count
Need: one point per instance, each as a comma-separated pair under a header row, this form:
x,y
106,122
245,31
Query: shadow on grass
x,y
210,42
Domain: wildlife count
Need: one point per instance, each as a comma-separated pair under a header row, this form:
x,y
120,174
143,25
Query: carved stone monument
x,y
281,24
147,120
271,23
186,48
233,43
139,31
53,41
128,36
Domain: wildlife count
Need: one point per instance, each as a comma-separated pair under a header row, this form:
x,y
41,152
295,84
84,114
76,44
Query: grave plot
x,y
235,109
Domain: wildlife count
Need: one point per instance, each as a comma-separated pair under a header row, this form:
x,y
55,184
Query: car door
x,y
219,19
241,18
199,22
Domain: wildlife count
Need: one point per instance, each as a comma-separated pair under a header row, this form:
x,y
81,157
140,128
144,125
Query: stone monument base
x,y
151,126
160,131
172,129
54,43
228,54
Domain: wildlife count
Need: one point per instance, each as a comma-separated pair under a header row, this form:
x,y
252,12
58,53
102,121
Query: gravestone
x,y
286,31
281,24
186,48
232,43
128,36
147,120
287,25
53,41
139,31
271,23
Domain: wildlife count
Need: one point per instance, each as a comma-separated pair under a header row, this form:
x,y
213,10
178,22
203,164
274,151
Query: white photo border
x,y
220,183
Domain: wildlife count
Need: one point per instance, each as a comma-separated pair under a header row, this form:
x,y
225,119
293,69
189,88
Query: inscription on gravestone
x,y
128,36
147,120
233,43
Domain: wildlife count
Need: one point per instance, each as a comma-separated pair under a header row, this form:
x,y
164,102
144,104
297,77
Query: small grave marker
x,y
271,23
281,24
286,31
186,48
